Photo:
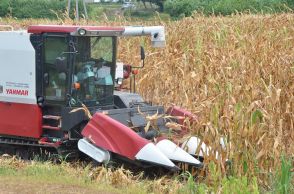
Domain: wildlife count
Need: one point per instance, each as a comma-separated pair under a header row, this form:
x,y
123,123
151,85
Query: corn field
x,y
235,73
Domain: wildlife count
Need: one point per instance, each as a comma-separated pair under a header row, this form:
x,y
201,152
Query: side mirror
x,y
142,53
40,101
142,59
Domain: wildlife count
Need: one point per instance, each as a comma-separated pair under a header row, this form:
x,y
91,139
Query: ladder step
x,y
50,127
51,117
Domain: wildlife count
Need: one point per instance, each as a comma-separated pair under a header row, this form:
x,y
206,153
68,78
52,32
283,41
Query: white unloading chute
x,y
156,32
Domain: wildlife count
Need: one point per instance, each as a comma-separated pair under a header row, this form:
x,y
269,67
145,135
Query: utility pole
x,y
77,10
77,16
68,7
85,9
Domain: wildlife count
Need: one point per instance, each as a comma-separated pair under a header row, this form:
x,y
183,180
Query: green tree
x,y
159,3
182,8
35,8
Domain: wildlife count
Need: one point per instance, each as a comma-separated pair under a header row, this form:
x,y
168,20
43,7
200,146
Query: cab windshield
x,y
93,79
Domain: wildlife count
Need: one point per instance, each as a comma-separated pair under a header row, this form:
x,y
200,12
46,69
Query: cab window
x,y
55,67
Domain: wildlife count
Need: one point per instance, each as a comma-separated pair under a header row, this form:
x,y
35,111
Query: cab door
x,y
55,65
55,69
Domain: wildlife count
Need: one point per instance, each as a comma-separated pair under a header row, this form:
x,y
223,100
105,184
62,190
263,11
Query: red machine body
x,y
20,120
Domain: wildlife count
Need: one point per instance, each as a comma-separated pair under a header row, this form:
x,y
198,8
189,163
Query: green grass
x,y
284,178
46,175
46,172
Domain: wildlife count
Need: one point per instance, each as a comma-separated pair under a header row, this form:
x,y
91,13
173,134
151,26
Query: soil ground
x,y
11,185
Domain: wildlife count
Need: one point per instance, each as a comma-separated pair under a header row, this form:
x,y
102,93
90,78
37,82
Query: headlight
x,y
119,81
82,32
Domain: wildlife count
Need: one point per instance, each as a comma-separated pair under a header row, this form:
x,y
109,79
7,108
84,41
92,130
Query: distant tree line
x,y
182,8
34,8
175,8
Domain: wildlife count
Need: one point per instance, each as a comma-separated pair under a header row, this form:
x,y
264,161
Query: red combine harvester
x,y
51,75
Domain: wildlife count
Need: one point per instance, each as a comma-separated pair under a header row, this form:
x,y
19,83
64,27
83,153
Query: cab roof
x,y
39,29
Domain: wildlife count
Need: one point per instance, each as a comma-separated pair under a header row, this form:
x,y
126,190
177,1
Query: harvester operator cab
x,y
77,65
81,68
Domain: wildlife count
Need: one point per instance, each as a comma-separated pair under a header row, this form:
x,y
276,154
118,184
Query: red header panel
x,y
112,135
68,29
